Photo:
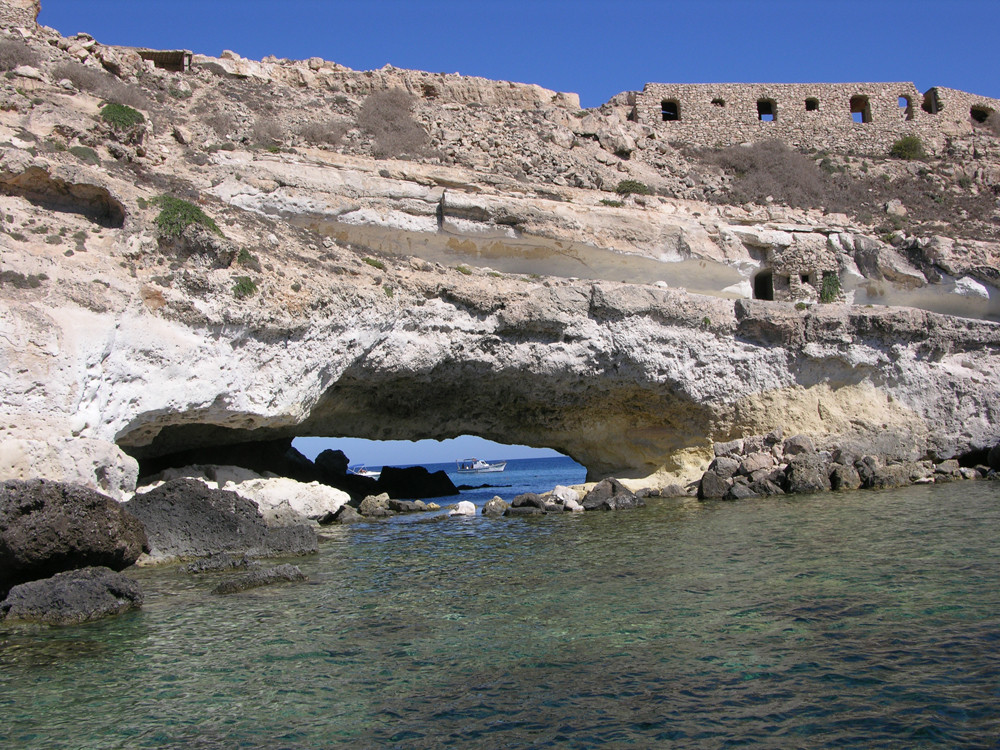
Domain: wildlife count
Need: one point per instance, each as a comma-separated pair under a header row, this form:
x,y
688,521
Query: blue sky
x,y
596,48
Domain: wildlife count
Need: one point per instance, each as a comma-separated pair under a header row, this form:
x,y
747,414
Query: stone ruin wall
x,y
719,115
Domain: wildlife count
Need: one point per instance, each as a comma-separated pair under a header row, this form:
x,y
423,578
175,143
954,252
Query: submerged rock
x,y
49,527
184,518
72,597
263,577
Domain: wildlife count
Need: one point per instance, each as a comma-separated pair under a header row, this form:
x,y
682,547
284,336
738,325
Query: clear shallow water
x,y
859,620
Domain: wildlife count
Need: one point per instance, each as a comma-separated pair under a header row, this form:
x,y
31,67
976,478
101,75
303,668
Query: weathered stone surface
x,y
610,494
347,514
311,499
728,449
184,518
798,444
406,506
463,508
740,491
72,597
565,494
48,527
528,499
375,506
844,477
495,508
725,466
523,510
756,462
893,475
712,486
807,473
263,577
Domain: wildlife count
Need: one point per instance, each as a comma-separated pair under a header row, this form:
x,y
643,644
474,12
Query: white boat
x,y
478,466
361,471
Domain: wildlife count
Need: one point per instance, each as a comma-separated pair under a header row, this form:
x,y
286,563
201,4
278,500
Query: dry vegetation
x,y
386,116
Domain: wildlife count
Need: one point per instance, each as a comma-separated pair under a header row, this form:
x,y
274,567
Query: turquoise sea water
x,y
869,619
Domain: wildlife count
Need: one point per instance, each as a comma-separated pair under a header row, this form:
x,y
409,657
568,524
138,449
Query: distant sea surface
x,y
859,620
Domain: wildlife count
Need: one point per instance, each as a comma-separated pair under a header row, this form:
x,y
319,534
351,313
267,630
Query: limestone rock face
x,y
47,527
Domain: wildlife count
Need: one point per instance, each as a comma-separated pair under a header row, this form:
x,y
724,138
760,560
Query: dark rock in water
x,y
184,518
217,563
887,477
263,577
712,486
528,499
495,508
740,491
407,506
993,458
327,518
375,506
844,477
797,445
610,494
866,466
950,467
766,486
807,473
332,463
48,527
674,490
347,514
415,482
72,597
524,510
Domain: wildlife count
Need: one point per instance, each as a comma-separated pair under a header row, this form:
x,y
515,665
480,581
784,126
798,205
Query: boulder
x,y
184,518
495,508
674,490
375,506
733,447
766,486
415,482
866,467
807,473
523,510
893,475
949,468
712,486
331,462
406,506
565,494
725,466
48,527
347,514
740,491
72,597
263,577
572,506
528,499
312,499
844,477
756,462
463,508
610,494
796,445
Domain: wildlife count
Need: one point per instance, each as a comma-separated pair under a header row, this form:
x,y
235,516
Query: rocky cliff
x,y
273,249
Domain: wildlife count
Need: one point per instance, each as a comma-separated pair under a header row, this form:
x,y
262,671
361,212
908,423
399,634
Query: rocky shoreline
x,y
63,547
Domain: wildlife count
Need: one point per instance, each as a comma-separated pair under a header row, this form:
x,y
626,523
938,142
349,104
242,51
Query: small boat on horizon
x,y
478,466
360,471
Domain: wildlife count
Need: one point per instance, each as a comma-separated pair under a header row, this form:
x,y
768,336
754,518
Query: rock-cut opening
x,y
54,194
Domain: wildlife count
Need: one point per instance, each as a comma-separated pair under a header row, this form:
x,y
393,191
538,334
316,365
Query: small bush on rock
x,y
908,147
386,116
176,215
244,287
831,288
121,116
632,187
85,154
13,54
325,133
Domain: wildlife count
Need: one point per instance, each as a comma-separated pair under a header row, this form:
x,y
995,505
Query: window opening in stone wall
x,y
931,105
906,107
804,278
861,109
980,114
763,285
671,110
718,102
767,110
812,105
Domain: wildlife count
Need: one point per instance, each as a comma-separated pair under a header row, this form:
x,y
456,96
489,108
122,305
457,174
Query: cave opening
x,y
763,285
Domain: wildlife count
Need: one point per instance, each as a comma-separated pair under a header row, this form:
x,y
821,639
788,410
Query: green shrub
x,y
53,239
248,260
22,281
374,263
801,306
388,291
632,187
613,204
121,116
908,147
85,154
296,287
176,215
244,287
830,290
464,270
